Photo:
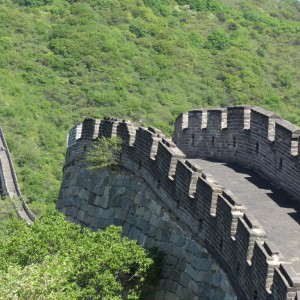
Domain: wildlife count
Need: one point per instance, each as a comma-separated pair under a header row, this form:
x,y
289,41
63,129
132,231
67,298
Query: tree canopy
x,y
56,259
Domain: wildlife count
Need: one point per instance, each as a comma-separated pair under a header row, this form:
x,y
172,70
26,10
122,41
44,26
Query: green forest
x,y
143,60
54,259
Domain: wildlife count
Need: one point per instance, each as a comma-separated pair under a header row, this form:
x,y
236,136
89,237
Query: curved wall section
x,y
210,214
97,199
250,136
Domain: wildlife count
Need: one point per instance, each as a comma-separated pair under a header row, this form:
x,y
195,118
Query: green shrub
x,y
55,259
285,79
218,40
138,28
33,3
104,153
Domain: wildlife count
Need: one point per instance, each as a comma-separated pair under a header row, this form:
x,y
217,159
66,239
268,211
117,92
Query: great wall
x,y
10,185
162,195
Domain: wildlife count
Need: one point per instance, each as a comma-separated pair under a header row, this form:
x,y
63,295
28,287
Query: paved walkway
x,y
11,185
275,211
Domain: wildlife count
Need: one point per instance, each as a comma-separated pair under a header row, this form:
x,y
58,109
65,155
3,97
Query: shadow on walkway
x,y
280,197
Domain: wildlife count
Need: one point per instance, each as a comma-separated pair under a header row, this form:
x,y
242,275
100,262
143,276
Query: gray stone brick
x,y
179,291
102,201
137,198
84,194
171,296
140,211
187,245
84,205
192,273
123,215
177,240
120,190
171,260
184,279
181,265
216,279
81,215
98,190
134,233
99,212
107,213
116,212
142,239
193,287
126,229
188,294
154,220
171,286
87,219
131,219
150,243
154,208
174,275
117,222
147,215
91,210
125,203
201,264
178,252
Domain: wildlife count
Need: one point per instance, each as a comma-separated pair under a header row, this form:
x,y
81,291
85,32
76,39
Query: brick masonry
x,y
193,203
97,199
250,136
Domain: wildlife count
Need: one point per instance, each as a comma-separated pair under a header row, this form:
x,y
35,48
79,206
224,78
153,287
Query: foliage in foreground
x,y
55,259
104,153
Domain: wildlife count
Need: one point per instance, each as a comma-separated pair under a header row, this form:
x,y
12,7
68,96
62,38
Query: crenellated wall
x,y
250,136
10,186
209,214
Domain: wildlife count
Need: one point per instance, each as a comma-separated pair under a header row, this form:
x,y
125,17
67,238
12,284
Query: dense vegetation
x,y
56,259
147,60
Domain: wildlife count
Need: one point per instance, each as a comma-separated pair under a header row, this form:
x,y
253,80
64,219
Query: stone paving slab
x,y
278,214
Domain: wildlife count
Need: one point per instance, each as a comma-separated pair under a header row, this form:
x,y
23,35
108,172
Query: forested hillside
x,y
144,60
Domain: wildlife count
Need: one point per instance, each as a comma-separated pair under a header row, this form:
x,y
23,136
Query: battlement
x,y
248,135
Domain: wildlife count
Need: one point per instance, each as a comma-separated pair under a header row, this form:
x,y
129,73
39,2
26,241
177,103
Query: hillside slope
x,y
63,60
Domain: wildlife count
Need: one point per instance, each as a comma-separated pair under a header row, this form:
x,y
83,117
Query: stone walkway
x,y
11,189
275,211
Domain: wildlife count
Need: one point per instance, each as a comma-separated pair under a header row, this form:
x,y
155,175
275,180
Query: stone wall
x,y
207,213
250,136
99,199
10,184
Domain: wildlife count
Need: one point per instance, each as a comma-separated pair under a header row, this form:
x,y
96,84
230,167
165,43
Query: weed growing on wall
x,y
104,153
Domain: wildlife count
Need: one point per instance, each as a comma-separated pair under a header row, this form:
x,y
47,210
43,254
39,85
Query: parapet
x,y
250,136
209,212
74,135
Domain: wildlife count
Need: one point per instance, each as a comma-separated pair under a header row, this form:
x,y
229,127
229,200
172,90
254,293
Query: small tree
x,y
218,40
104,153
56,260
